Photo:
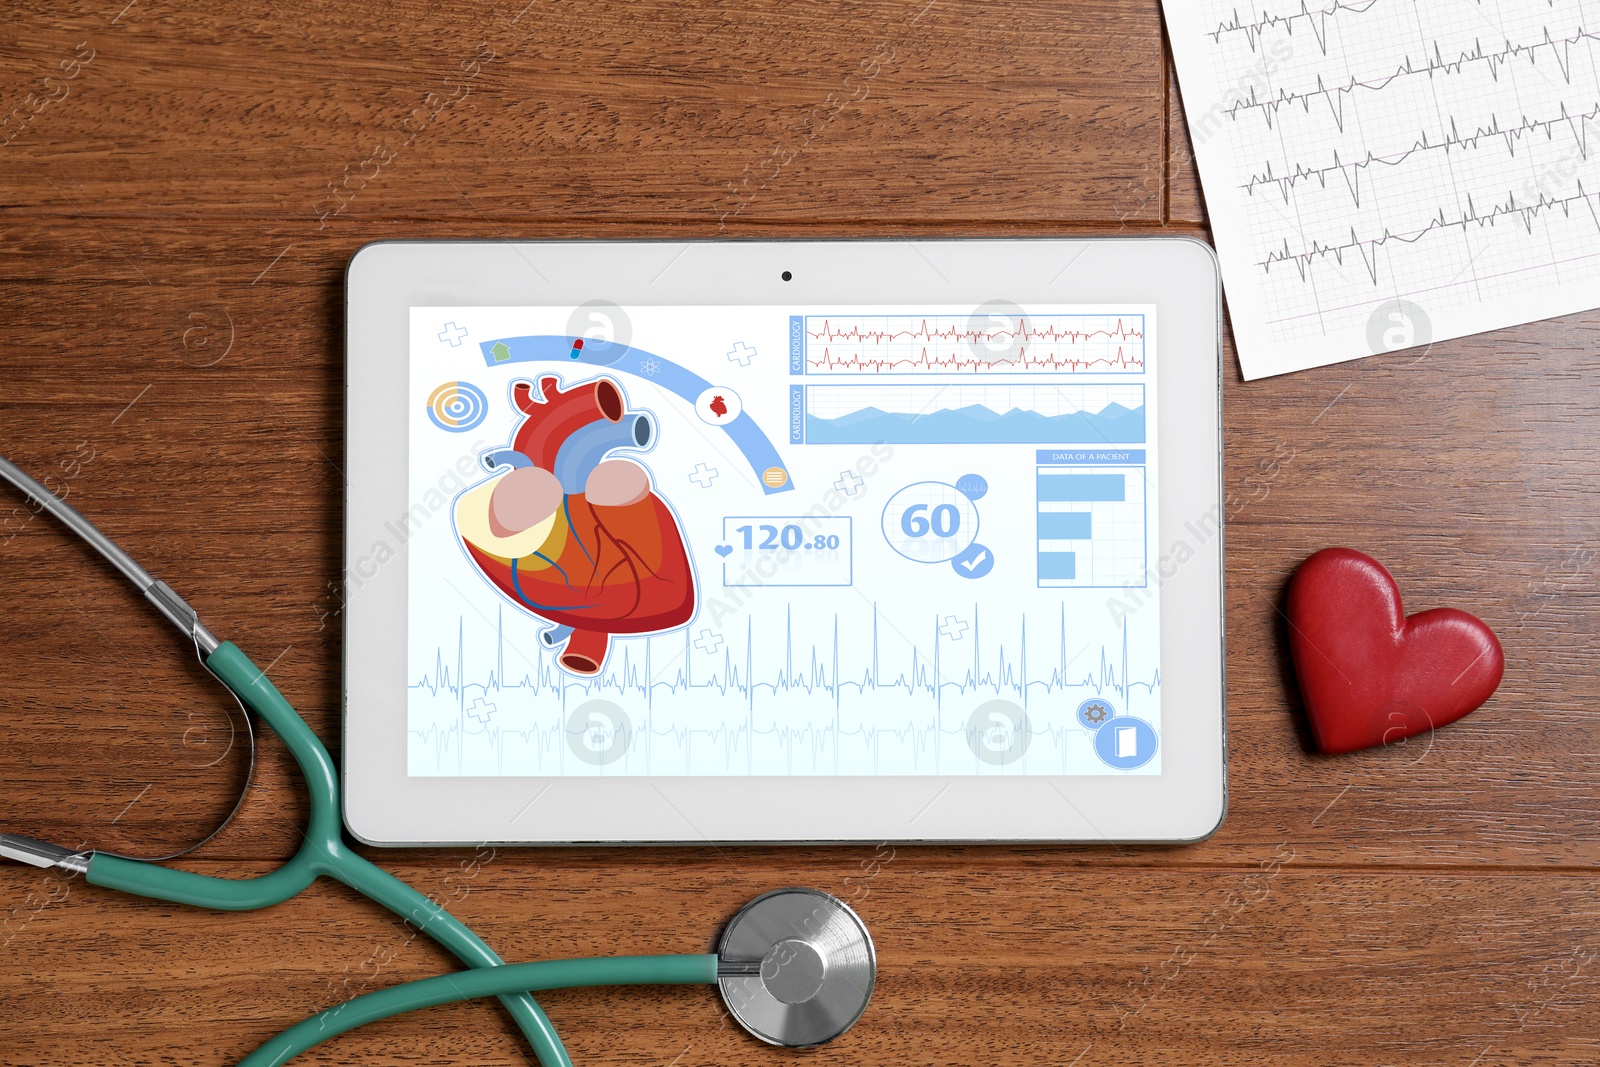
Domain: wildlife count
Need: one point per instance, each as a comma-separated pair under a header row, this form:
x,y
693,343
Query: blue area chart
x,y
973,414
975,424
721,700
625,359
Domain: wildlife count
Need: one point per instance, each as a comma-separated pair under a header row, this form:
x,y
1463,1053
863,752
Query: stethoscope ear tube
x,y
165,599
38,853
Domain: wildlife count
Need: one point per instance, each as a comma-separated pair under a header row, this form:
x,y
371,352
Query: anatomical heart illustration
x,y
572,535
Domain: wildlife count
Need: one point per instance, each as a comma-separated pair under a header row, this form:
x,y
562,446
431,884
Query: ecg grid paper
x,y
1380,174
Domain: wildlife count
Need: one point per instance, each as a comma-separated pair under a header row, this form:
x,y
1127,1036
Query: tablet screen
x,y
761,540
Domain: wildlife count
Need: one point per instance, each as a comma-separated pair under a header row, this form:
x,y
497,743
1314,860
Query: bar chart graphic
x,y
1092,525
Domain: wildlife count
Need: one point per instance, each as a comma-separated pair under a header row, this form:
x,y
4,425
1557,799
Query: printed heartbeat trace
x,y
1380,175
1581,128
1334,97
723,712
1315,18
1366,248
990,341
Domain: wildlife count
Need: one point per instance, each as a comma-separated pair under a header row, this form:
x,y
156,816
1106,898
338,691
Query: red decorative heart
x,y
1371,676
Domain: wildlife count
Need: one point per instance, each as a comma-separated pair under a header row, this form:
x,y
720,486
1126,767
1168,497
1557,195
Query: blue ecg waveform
x,y
515,698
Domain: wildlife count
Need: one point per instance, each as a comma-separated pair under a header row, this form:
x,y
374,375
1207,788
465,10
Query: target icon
x,y
457,406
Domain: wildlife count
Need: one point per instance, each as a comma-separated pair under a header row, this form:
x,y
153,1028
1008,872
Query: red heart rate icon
x,y
1370,675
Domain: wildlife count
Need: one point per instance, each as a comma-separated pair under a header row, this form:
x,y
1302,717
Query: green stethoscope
x,y
795,967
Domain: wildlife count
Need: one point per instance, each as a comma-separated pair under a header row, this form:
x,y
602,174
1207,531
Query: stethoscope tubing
x,y
487,982
322,852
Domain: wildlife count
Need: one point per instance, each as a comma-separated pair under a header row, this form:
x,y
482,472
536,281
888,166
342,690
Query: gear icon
x,y
1096,713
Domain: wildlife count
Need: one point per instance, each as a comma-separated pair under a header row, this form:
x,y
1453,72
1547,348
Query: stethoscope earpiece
x,y
796,967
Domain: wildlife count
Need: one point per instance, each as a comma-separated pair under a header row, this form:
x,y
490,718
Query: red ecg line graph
x,y
1043,343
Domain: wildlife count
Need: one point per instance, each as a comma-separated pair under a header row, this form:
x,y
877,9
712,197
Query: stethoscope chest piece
x,y
796,967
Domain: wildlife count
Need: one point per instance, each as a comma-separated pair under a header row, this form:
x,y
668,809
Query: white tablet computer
x,y
783,541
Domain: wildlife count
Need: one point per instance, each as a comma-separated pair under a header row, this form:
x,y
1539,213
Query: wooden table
x,y
182,189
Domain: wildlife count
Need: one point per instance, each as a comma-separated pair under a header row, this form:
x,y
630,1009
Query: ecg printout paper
x,y
1380,174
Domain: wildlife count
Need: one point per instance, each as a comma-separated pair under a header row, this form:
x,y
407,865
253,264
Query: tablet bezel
x,y
1185,802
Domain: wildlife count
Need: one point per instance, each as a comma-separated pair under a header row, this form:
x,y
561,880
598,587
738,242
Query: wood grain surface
x,y
182,186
